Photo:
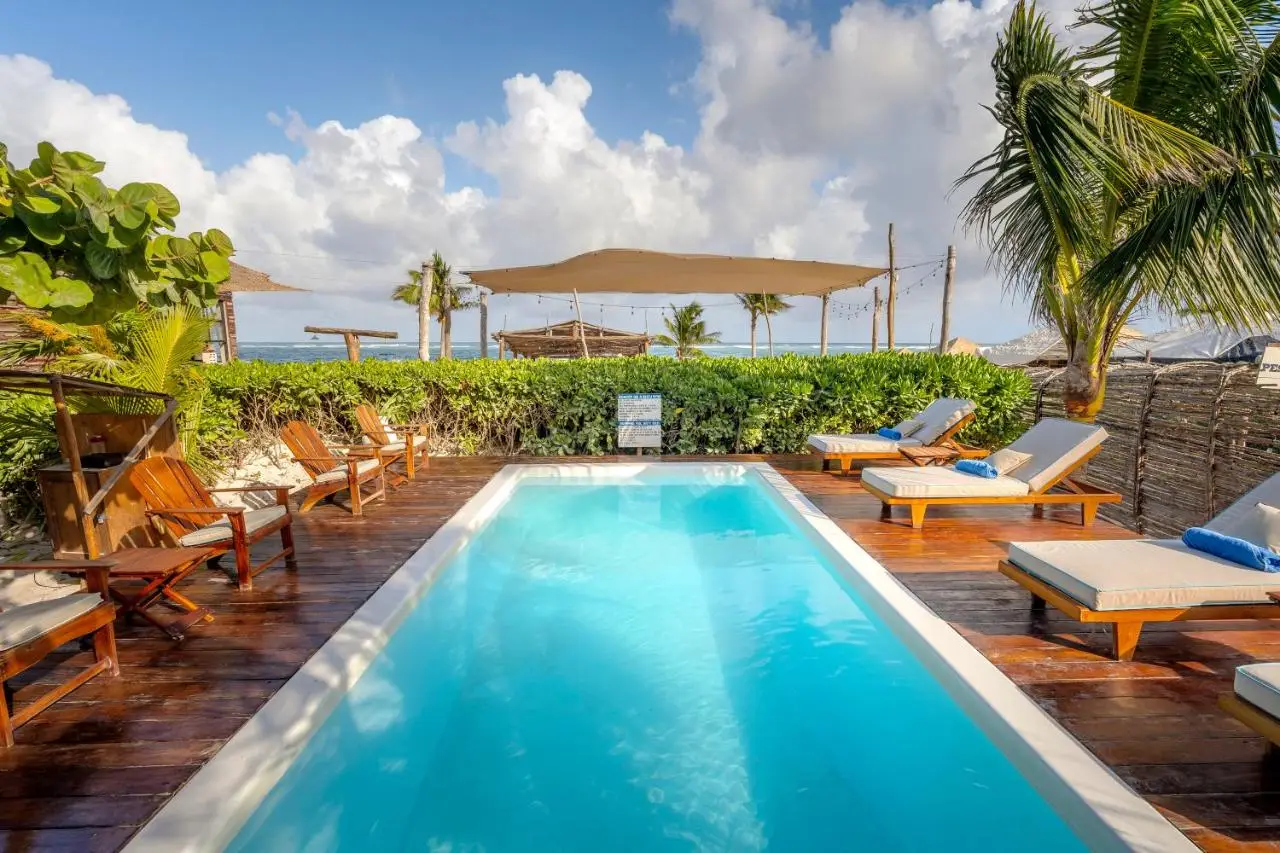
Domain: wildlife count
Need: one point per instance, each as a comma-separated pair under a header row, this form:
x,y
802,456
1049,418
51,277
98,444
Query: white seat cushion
x,y
340,472
1234,520
1259,684
940,483
1137,573
25,622
397,446
220,531
1055,446
860,443
941,415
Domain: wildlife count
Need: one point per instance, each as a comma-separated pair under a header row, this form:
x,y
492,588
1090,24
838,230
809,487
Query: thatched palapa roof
x,y
564,340
246,280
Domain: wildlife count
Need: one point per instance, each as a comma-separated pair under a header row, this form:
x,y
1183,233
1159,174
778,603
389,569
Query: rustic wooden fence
x,y
1186,440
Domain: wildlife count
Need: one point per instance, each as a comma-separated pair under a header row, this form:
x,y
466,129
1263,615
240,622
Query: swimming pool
x,y
650,657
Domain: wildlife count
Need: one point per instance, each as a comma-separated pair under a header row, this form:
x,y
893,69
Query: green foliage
x,y
548,407
686,331
86,252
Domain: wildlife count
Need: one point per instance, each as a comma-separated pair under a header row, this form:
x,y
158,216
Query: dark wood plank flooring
x,y
87,772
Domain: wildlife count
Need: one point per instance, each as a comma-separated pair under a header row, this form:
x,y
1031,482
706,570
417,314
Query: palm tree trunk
x,y
1084,384
446,333
753,335
424,317
768,325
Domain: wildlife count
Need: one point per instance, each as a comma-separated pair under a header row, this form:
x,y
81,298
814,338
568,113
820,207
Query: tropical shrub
x,y
547,407
85,252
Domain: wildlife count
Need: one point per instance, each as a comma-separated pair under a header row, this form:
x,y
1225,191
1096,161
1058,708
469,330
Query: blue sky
x,y
217,71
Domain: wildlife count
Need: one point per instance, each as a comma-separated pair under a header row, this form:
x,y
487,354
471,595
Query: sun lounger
x,y
1127,583
1057,449
940,421
1255,701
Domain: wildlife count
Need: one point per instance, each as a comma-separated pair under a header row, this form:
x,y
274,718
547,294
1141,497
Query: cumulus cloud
x,y
808,145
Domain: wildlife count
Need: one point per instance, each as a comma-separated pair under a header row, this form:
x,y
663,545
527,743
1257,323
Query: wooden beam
x,y
875,320
364,333
893,291
946,299
67,442
582,331
822,333
484,325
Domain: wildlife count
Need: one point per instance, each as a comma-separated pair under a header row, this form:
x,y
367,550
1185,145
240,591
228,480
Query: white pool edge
x,y
207,812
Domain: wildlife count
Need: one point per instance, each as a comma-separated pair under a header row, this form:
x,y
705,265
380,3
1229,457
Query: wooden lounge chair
x,y
29,632
936,426
330,473
175,495
1255,701
1127,583
398,441
1057,449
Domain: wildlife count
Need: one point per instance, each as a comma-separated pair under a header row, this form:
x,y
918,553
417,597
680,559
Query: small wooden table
x,y
926,456
159,570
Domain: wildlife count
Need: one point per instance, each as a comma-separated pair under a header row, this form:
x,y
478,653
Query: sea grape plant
x,y
86,252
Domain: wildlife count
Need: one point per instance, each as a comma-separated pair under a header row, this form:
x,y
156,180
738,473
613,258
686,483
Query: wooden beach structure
x,y
351,337
222,339
571,339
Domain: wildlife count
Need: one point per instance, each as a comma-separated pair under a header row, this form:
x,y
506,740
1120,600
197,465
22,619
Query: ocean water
x,y
331,350
651,666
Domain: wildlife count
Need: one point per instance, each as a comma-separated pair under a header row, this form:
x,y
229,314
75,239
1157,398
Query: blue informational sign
x,y
640,420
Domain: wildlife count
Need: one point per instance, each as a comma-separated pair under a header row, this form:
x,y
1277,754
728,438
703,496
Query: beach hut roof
x,y
1213,343
961,346
1045,345
639,271
246,280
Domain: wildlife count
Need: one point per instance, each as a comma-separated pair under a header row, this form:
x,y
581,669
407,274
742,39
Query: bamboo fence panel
x,y
1185,440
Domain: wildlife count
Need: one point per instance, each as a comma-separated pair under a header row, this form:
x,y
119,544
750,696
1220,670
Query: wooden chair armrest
x,y
264,488
56,565
216,510
350,447
332,460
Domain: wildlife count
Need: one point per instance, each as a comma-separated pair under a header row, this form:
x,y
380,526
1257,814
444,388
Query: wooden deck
x,y
91,769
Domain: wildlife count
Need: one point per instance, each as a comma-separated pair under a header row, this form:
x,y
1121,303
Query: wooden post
x,y
502,348
67,442
351,337
582,331
893,292
822,334
875,320
353,346
946,299
424,316
484,325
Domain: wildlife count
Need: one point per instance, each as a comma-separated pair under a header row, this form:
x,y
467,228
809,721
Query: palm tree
x,y
686,331
1136,174
766,305
411,293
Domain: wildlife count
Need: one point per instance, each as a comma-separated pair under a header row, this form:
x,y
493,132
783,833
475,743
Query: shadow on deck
x,y
88,771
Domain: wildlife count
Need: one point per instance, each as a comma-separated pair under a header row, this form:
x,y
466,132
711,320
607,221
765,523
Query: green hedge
x,y
549,407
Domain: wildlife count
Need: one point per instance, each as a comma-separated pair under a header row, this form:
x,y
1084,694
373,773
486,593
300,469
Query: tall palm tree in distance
x,y
763,305
443,297
686,331
411,293
1139,173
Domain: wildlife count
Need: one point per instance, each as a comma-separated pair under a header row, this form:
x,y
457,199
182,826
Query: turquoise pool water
x,y
663,666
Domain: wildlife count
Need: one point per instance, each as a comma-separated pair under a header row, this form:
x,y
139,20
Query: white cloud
x,y
807,147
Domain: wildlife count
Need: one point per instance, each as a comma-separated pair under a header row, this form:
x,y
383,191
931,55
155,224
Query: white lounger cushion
x,y
340,473
397,446
1138,573
940,483
25,622
220,531
860,443
939,416
1259,684
1233,520
1055,446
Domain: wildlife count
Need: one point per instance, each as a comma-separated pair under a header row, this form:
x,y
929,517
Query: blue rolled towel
x,y
977,468
1239,551
889,433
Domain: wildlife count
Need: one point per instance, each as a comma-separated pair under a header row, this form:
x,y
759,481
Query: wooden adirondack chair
x,y
330,473
175,495
409,443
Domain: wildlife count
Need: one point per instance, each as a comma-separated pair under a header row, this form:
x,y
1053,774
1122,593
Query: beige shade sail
x,y
639,271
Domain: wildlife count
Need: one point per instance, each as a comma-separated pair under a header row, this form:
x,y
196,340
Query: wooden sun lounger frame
x,y
846,460
1260,721
1074,492
1126,625
98,623
316,457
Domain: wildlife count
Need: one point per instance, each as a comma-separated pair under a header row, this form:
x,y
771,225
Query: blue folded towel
x,y
977,468
889,433
1239,551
